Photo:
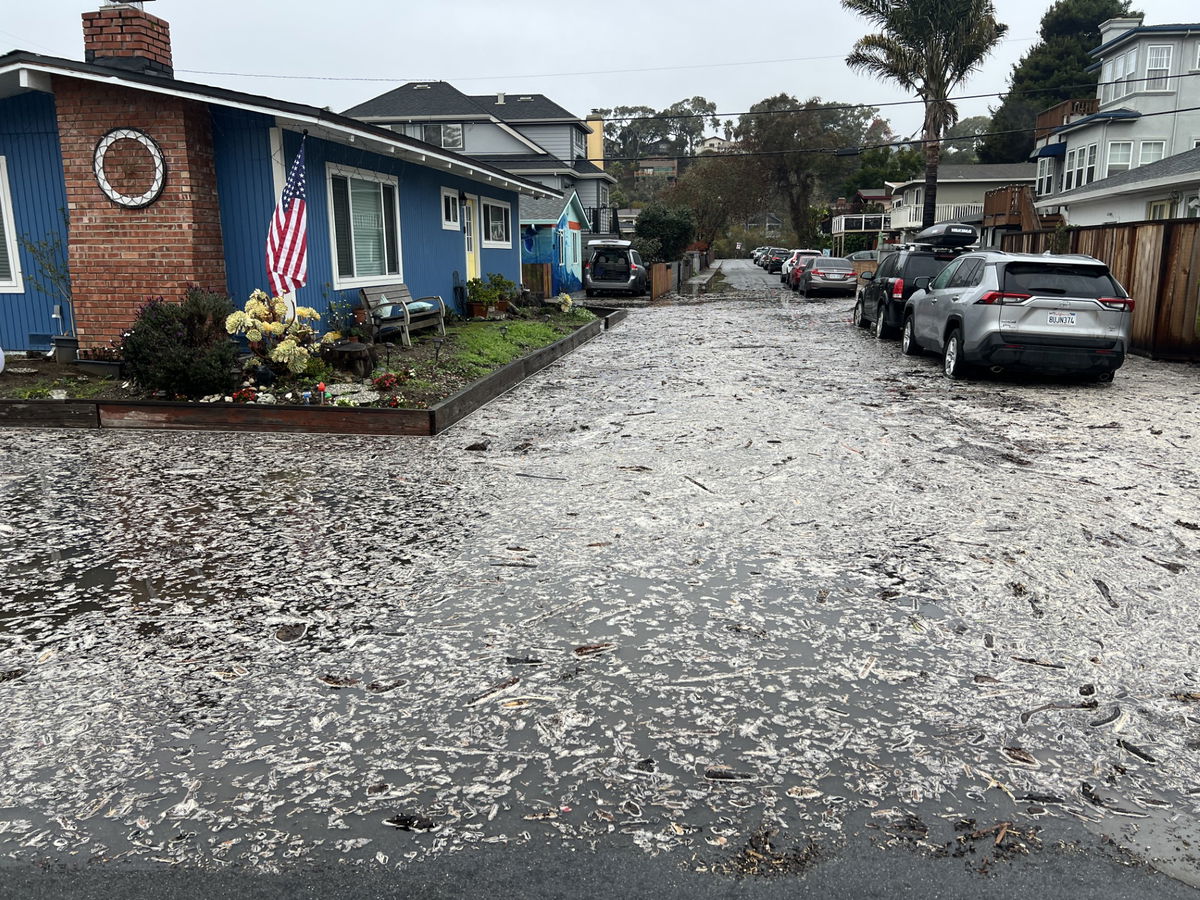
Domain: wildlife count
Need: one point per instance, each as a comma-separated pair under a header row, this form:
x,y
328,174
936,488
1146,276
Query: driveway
x,y
732,591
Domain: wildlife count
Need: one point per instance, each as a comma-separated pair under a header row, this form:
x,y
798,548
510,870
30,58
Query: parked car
x,y
884,292
798,270
788,264
614,265
754,254
1009,310
773,260
760,259
828,275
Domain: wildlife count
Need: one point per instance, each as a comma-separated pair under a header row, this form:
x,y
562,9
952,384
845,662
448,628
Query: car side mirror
x,y
867,276
922,283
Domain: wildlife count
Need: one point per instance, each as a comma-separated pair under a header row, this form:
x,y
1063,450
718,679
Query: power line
x,y
858,150
383,78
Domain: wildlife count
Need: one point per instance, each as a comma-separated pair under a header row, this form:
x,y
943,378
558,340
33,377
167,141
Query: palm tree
x,y
929,47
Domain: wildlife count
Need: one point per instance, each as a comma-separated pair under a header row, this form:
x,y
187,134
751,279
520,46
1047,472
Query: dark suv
x,y
884,292
773,259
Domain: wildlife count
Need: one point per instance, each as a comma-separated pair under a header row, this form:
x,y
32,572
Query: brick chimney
x,y
124,36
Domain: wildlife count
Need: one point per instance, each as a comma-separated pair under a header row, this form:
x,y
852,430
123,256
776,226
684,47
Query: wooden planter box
x,y
182,416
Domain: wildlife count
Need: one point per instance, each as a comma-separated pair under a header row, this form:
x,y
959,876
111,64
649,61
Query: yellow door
x,y
471,233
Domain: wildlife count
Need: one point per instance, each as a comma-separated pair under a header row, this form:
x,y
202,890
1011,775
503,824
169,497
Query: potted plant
x,y
494,293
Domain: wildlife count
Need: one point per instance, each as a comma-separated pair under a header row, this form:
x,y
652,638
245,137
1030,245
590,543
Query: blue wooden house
x,y
139,185
553,232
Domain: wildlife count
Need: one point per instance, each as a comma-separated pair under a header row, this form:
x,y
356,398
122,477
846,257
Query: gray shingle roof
x,y
522,107
980,172
1184,165
542,210
417,99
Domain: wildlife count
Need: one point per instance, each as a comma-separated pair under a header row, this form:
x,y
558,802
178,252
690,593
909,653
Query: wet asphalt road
x,y
732,590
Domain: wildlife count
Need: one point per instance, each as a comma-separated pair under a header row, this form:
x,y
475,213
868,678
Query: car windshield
x,y
1059,280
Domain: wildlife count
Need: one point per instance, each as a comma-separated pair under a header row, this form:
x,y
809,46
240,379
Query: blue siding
x,y
242,148
430,255
29,143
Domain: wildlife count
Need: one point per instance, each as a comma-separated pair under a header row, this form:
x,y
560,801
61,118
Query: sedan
x,y
828,274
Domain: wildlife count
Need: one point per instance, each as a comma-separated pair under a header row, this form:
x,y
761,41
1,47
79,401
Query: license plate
x,y
836,277
1061,318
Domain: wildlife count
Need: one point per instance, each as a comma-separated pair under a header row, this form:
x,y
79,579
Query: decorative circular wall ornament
x,y
105,176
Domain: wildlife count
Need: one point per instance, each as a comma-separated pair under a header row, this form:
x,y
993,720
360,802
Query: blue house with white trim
x,y
552,232
186,186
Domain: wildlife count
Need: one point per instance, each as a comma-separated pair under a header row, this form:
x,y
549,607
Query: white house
x,y
960,193
1146,111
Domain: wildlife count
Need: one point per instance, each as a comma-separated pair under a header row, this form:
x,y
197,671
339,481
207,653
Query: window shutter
x,y
341,227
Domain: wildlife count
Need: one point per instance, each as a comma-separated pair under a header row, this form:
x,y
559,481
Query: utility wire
x,y
857,150
384,78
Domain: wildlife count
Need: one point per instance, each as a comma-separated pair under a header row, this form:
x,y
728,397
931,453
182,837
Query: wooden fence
x,y
660,280
538,279
1157,262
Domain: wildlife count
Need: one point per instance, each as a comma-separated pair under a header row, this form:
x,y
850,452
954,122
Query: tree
x,y
881,165
1053,70
685,121
671,227
929,47
718,189
963,140
795,146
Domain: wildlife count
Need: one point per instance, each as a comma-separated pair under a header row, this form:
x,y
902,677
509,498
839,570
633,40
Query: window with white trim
x,y
1118,76
1081,167
578,144
1158,67
1158,209
1120,156
1151,152
497,224
1045,176
10,263
451,212
447,135
364,225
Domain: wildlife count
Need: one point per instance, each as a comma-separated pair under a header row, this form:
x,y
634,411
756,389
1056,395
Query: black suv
x,y
881,300
773,259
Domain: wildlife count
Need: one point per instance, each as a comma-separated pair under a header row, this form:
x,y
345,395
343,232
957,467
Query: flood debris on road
x,y
783,600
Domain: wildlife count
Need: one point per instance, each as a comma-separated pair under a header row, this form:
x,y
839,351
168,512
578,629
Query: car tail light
x,y
1125,303
1002,297
816,272
898,289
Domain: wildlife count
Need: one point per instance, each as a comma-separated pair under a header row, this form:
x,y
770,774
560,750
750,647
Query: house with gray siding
x,y
526,134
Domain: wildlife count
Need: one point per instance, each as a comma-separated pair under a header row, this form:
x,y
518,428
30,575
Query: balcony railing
x,y
604,220
1062,113
864,223
907,218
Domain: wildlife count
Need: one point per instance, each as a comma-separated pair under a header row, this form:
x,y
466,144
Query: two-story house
x,y
960,194
1103,159
526,134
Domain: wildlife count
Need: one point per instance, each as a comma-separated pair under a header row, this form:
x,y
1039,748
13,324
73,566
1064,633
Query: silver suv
x,y
1016,310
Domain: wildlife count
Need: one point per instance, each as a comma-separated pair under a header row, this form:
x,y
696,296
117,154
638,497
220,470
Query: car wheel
x,y
881,327
860,318
952,361
908,340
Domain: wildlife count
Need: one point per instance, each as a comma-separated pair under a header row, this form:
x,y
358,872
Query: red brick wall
x,y
121,256
123,32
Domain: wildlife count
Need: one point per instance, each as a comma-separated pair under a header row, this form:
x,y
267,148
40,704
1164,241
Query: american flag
x,y
287,242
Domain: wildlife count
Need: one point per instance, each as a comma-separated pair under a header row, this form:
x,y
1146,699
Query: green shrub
x,y
183,348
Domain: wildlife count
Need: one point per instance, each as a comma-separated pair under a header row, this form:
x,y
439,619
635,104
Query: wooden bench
x,y
392,309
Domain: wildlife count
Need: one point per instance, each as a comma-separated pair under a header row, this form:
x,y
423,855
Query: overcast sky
x,y
622,53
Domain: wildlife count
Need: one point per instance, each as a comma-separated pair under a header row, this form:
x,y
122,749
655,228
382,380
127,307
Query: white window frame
x,y
455,223
578,144
1165,78
1045,176
340,283
1163,205
1118,75
1122,167
1081,167
441,141
16,285
1142,161
485,231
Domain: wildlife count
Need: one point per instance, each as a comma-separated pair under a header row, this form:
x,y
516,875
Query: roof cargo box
x,y
948,235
